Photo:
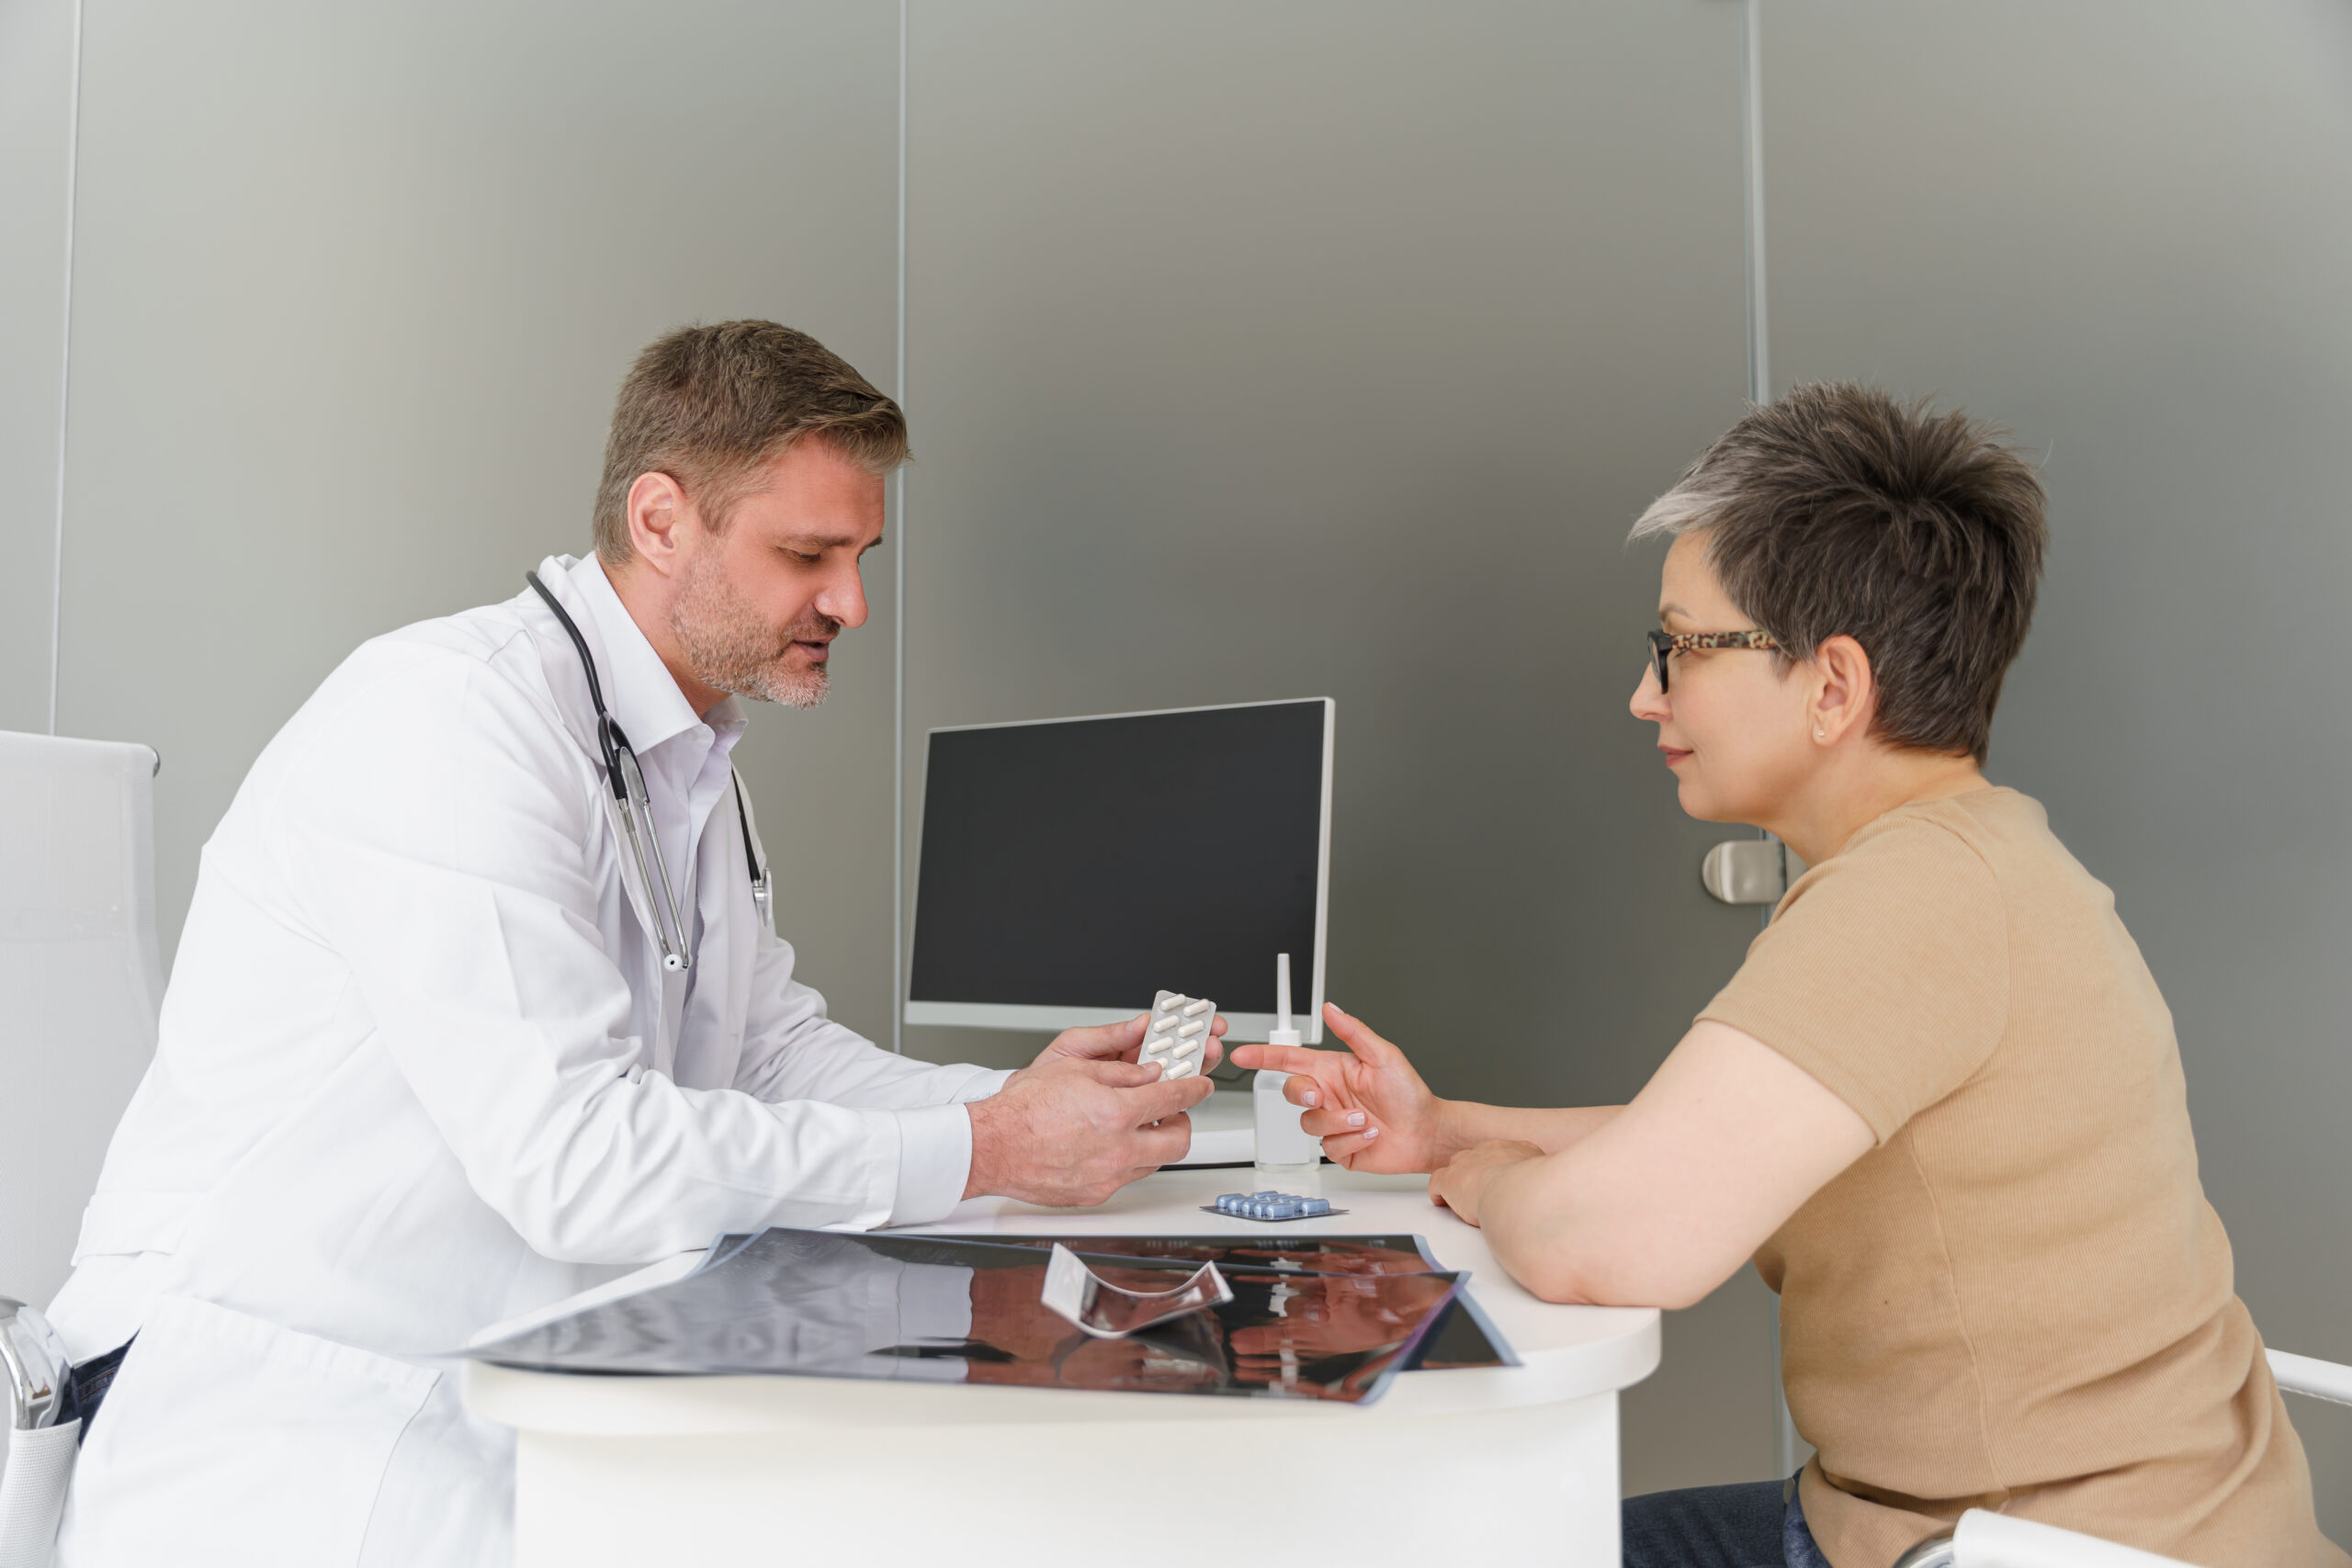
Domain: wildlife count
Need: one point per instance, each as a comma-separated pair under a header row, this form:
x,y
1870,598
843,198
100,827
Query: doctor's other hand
x,y
1122,1041
1069,1131
1366,1103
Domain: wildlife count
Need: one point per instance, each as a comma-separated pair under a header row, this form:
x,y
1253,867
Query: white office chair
x,y
1992,1541
80,982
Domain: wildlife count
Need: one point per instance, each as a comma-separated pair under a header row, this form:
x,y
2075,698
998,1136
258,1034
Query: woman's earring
x,y
1821,735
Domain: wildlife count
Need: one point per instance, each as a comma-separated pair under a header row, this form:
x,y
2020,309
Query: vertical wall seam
x,y
1760,361
1786,1442
898,612
64,371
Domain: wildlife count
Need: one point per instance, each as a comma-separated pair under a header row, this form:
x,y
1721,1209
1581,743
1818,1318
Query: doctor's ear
x,y
657,510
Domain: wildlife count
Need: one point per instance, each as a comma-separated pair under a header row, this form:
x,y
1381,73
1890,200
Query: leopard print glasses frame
x,y
1664,644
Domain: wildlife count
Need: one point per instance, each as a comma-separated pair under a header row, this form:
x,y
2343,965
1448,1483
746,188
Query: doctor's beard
x,y
729,646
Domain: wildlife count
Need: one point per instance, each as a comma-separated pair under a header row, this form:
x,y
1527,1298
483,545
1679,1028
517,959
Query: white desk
x,y
1487,1464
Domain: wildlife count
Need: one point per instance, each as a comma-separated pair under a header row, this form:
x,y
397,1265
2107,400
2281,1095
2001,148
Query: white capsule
x,y
1170,1005
1194,1009
1198,1026
1183,1051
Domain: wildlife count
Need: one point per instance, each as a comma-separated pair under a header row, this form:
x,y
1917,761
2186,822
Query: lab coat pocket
x,y
227,1440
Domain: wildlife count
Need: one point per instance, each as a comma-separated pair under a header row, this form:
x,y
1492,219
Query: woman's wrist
x,y
1454,1128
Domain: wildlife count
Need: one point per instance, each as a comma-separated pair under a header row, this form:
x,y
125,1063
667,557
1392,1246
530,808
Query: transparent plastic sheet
x,y
1329,1318
1096,1307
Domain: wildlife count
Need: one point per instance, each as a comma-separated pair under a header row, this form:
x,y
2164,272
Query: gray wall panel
x,y
356,284
2120,228
36,103
1331,348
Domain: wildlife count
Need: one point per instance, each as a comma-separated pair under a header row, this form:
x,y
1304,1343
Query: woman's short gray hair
x,y
1836,510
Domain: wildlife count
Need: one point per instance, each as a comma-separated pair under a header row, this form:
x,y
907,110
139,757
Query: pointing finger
x,y
1287,1060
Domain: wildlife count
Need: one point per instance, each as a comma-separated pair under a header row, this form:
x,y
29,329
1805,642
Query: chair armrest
x,y
1996,1540
2311,1376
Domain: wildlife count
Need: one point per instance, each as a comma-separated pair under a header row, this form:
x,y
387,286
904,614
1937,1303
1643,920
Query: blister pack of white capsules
x,y
1178,1036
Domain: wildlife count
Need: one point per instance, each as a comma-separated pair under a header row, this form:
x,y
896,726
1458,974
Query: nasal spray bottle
x,y
1289,1159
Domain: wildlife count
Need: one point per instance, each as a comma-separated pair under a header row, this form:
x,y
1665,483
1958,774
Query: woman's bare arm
x,y
1552,1131
1662,1203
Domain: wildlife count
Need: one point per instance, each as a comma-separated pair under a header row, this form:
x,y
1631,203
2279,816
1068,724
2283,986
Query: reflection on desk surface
x,y
1312,1254
1313,1317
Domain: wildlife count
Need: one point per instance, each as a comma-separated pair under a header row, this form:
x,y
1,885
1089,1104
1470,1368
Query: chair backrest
x,y
80,982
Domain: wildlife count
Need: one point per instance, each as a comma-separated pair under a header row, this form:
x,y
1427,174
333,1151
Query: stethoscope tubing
x,y
628,783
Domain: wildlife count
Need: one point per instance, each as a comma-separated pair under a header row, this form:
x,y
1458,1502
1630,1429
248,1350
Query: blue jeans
x,y
1720,1527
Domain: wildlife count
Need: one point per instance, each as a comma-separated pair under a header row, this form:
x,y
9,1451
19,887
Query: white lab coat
x,y
420,1070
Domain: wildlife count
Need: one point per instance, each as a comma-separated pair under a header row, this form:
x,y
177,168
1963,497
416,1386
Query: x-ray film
x,y
1315,1321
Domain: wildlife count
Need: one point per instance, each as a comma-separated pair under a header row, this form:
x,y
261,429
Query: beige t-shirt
x,y
2019,1300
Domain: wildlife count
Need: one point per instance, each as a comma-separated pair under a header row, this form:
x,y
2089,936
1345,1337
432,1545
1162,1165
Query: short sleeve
x,y
1885,975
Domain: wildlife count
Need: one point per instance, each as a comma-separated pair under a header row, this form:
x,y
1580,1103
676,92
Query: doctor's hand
x,y
1366,1103
1070,1130
1122,1041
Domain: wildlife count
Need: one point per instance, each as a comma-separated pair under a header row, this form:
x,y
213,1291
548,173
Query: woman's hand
x,y
1461,1183
1367,1104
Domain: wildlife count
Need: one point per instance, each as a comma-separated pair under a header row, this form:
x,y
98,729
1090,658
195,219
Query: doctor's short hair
x,y
1834,509
711,405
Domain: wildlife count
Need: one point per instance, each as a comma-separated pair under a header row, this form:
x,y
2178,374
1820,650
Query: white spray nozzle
x,y
1283,1034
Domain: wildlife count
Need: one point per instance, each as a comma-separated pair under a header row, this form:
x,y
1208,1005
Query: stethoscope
x,y
628,783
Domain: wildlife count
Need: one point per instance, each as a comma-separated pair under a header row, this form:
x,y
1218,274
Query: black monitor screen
x,y
1090,862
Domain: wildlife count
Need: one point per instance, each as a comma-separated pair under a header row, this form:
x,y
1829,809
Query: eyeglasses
x,y
1664,644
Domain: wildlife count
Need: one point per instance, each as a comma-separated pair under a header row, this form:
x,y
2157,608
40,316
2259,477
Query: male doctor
x,y
438,1035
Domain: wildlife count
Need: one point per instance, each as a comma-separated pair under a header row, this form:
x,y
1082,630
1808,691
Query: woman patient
x,y
1940,1103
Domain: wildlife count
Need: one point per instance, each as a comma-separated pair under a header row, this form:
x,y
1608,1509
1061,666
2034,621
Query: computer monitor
x,y
1070,868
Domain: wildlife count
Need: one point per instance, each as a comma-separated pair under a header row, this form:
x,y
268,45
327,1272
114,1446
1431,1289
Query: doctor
x,y
454,1031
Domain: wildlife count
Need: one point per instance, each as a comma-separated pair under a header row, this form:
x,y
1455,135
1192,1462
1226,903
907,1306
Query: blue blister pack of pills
x,y
1271,1205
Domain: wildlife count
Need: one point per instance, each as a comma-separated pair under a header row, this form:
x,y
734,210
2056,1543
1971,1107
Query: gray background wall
x,y
36,112
1363,328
